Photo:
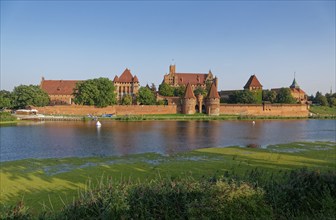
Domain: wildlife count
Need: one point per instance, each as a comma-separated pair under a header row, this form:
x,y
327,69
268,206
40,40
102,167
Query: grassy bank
x,y
323,111
49,184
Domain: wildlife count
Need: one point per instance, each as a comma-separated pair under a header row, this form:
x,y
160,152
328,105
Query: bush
x,y
6,116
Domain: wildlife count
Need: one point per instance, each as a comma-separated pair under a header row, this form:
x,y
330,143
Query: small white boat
x,y
98,124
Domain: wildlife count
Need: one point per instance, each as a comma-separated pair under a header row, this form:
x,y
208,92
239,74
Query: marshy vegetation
x,y
280,182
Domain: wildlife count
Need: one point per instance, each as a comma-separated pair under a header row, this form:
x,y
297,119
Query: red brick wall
x,y
117,109
285,110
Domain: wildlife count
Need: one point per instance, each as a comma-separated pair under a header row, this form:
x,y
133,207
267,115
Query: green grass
x,y
52,182
323,110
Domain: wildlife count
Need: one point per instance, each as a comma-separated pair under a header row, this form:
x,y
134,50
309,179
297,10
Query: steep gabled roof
x,y
58,87
126,76
213,93
192,78
252,82
189,92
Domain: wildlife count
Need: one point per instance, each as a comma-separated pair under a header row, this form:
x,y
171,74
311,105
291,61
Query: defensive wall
x,y
282,110
116,109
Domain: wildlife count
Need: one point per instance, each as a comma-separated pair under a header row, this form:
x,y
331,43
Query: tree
x,y
243,97
320,99
127,100
269,96
5,99
24,95
285,96
179,91
98,92
166,90
145,96
200,91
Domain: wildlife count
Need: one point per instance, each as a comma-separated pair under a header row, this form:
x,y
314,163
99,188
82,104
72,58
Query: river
x,y
83,139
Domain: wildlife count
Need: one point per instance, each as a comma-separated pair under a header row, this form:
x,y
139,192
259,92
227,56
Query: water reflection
x,y
70,139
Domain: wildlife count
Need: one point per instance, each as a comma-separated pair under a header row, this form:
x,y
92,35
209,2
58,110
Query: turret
x,y
189,101
213,101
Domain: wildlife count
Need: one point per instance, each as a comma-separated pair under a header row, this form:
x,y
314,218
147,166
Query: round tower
x,y
189,101
213,101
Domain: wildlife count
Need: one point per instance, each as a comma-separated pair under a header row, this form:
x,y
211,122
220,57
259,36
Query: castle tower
x,y
189,101
172,69
213,101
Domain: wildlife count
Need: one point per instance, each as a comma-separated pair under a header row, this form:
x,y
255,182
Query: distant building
x,y
252,85
60,91
126,84
298,94
194,79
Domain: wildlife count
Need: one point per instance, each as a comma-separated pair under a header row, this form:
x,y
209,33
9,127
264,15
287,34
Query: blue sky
x,y
90,39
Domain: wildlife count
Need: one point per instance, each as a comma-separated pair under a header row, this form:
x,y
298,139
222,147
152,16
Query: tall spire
x,y
294,85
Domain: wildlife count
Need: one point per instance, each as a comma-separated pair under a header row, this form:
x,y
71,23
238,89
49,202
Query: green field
x,y
48,184
323,110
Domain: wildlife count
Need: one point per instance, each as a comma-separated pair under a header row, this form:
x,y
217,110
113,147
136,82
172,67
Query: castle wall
x,y
116,109
284,110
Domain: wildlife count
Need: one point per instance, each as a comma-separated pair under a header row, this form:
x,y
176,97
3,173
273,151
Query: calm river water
x,y
81,139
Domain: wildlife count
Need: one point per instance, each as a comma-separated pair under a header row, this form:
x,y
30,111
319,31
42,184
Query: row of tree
x,y
329,99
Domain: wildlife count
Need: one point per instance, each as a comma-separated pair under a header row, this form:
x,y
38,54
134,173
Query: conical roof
x,y
294,85
116,79
252,82
213,93
189,92
135,79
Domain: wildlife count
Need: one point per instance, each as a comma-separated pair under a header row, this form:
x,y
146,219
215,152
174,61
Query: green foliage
x,y
200,90
127,100
321,99
284,96
161,102
24,95
145,96
269,96
5,99
298,194
6,116
179,91
99,92
257,96
166,90
243,97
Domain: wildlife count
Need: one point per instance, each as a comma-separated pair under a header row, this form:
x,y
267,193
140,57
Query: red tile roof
x,y
135,79
189,92
116,79
126,76
192,78
59,87
252,82
213,93
297,90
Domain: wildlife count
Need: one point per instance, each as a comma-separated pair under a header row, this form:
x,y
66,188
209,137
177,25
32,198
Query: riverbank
x,y
48,184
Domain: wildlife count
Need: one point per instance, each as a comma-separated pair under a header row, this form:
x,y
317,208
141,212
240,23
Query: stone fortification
x,y
281,110
117,109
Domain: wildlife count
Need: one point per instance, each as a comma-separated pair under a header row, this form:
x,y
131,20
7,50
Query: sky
x,y
78,40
